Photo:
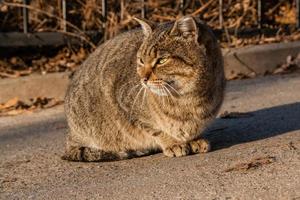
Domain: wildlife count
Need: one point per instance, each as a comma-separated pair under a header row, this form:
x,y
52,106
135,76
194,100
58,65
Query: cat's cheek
x,y
139,71
185,86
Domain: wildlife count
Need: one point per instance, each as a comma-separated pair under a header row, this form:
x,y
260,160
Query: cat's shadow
x,y
257,125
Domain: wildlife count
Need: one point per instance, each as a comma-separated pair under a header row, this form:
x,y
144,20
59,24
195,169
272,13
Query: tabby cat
x,y
146,90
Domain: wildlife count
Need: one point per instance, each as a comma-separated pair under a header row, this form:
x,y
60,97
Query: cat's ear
x,y
185,26
146,25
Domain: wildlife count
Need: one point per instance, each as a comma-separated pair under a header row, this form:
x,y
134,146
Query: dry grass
x,y
85,15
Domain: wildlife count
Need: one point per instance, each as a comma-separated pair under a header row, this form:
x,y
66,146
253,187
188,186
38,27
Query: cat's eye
x,y
140,61
162,60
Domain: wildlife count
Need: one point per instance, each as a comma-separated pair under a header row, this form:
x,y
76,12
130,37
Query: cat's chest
x,y
182,126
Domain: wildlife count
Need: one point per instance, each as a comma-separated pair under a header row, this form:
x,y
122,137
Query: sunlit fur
x,y
147,90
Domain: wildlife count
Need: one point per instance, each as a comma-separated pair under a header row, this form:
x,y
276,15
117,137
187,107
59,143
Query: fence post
x,y
221,13
104,10
143,10
25,17
104,15
181,6
64,14
259,13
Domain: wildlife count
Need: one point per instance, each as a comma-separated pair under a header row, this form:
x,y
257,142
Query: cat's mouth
x,y
159,87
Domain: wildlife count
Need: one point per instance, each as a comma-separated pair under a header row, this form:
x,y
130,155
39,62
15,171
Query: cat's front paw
x,y
200,146
177,150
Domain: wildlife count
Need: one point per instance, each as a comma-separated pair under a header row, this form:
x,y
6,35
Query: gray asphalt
x,y
255,156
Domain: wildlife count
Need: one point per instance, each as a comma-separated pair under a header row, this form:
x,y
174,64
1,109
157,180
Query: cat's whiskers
x,y
167,90
167,84
168,93
121,98
122,89
128,83
133,89
161,96
162,92
167,96
145,92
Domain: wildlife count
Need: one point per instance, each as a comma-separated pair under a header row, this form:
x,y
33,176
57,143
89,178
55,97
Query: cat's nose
x,y
146,77
145,80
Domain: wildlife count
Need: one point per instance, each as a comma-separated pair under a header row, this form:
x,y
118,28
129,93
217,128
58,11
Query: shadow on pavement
x,y
223,133
260,124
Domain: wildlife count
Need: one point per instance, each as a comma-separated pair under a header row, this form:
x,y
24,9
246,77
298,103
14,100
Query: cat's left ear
x,y
146,25
186,27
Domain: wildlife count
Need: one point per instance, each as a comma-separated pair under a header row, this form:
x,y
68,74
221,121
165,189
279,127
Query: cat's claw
x,y
177,150
200,146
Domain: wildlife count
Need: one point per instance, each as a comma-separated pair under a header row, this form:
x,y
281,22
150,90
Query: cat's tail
x,y
86,154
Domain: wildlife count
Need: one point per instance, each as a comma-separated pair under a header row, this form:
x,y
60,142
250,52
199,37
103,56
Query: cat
x,y
147,90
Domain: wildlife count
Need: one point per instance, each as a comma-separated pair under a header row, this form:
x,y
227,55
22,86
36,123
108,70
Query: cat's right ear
x,y
185,26
146,25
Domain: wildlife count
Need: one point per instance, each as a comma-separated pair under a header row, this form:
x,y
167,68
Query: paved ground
x,y
255,156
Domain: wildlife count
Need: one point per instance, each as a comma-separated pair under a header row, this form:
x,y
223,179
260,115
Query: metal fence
x,y
54,38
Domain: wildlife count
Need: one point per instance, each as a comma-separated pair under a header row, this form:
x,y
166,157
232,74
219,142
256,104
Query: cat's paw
x,y
177,150
200,146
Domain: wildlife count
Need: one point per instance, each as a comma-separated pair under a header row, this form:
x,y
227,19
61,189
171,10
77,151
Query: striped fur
x,y
146,91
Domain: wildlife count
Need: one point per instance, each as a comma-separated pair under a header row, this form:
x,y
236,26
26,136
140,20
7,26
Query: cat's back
x,y
115,54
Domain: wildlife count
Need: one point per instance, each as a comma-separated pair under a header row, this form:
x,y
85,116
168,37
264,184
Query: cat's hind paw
x,y
86,154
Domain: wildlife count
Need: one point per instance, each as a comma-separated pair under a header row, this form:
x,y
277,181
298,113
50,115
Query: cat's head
x,y
170,58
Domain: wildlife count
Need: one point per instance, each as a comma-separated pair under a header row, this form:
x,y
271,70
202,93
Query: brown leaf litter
x,y
65,59
292,64
15,106
253,164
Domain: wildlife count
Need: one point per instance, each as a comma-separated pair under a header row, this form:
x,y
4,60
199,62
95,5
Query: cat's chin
x,y
159,92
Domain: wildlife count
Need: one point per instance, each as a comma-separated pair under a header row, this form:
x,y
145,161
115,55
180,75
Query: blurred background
x,y
42,37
